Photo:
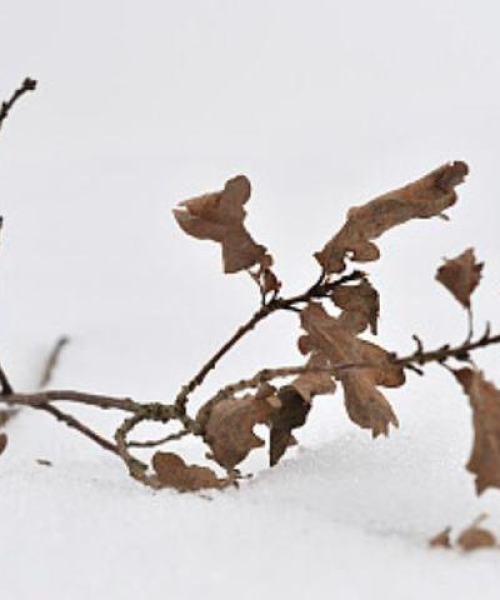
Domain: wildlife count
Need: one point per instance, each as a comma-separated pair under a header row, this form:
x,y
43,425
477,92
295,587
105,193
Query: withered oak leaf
x,y
292,413
461,276
365,404
315,383
360,304
229,429
219,216
427,197
475,537
442,539
173,472
484,398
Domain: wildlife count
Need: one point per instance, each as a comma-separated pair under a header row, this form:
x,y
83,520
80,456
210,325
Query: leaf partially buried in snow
x,y
442,539
360,304
422,199
475,537
484,398
219,216
173,472
461,276
229,429
3,442
365,404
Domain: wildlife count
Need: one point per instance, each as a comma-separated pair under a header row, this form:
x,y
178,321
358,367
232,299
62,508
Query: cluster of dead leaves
x,y
472,538
461,276
330,341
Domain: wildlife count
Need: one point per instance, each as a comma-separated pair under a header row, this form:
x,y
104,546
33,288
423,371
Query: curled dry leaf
x,y
365,404
461,276
421,199
219,217
3,442
484,398
173,472
292,413
360,304
475,537
229,429
442,539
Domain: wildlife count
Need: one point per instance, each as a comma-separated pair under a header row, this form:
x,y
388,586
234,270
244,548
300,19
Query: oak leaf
x,y
484,398
173,472
365,404
292,413
427,197
219,216
315,383
360,304
229,429
442,539
3,442
475,537
461,276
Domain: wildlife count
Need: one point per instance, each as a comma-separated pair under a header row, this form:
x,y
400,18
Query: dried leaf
x,y
229,429
291,414
461,276
3,442
173,472
366,406
441,540
422,199
475,537
485,402
315,383
219,217
360,304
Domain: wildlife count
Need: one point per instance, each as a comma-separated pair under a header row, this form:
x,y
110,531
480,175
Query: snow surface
x,y
323,105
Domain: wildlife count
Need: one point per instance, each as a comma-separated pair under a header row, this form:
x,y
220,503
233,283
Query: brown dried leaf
x,y
485,402
421,199
3,442
366,406
475,537
461,276
229,429
219,217
292,413
360,304
173,472
315,383
442,539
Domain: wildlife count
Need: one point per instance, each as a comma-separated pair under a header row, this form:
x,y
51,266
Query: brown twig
x,y
410,361
79,426
52,360
28,85
321,289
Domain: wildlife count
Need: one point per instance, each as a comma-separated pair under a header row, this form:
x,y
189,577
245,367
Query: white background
x,y
323,105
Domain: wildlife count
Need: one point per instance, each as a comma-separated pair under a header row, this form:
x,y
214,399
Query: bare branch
x,y
52,361
28,85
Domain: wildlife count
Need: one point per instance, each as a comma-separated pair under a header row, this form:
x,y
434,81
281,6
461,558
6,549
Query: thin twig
x,y
37,399
153,443
318,290
52,360
75,424
418,357
28,85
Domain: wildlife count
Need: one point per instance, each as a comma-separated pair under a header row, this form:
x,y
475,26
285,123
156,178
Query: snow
x,y
323,106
